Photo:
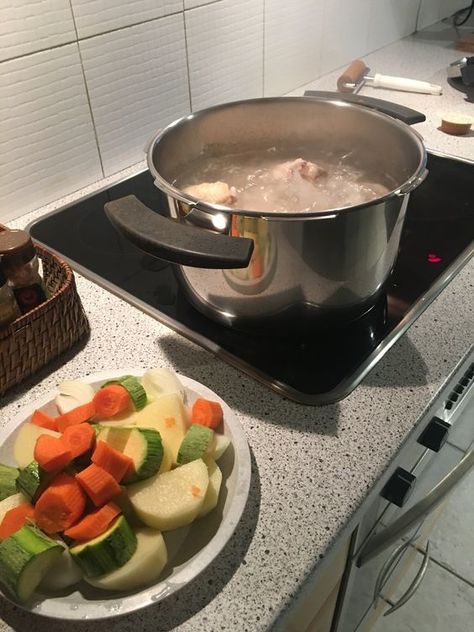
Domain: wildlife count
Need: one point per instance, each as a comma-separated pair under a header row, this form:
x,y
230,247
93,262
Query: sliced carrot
x,y
51,453
15,518
111,400
93,524
207,413
78,415
60,505
112,461
78,439
98,484
39,418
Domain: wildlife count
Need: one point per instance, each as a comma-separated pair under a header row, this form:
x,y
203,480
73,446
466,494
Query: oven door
x,y
390,551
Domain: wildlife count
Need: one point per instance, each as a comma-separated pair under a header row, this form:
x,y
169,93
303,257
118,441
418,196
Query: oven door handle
x,y
415,514
416,583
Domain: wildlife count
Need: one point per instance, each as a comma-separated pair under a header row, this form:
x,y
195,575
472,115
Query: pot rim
x,y
405,188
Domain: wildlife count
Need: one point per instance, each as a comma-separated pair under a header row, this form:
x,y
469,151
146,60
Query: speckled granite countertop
x,y
312,467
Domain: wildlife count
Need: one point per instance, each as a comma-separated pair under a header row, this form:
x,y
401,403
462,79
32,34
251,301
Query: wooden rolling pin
x,y
356,75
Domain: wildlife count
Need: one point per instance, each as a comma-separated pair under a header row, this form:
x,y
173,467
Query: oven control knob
x,y
398,487
435,434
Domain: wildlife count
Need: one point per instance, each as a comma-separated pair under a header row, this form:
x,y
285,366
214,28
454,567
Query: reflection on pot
x,y
259,273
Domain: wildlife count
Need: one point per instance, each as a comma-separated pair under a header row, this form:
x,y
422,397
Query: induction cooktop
x,y
322,367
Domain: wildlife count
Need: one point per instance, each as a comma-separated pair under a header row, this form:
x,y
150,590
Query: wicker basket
x,y
41,335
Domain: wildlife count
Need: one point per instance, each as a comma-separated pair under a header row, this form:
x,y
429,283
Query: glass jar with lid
x,y
9,310
21,267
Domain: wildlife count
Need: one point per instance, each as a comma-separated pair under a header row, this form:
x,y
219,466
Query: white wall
x,y
85,83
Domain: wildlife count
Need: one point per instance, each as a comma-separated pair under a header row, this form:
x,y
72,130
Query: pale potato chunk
x,y
23,450
212,494
167,415
158,382
172,499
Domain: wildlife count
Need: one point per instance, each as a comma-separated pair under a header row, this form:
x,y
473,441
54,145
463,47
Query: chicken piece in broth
x,y
213,192
304,168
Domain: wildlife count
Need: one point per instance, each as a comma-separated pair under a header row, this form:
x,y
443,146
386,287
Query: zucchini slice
x,y
32,480
142,445
108,551
144,567
8,476
25,558
134,388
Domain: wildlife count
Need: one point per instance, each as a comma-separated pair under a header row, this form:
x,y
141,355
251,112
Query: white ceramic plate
x,y
190,549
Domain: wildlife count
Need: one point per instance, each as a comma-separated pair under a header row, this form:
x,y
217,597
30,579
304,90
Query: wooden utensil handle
x,y
352,74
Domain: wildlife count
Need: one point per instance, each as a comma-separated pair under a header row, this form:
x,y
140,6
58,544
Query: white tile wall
x,y
46,136
99,16
137,81
345,33
31,25
390,20
433,10
225,51
191,4
293,40
145,62
430,12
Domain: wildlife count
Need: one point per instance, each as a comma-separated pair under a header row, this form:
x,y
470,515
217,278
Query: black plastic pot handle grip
x,y
400,112
174,241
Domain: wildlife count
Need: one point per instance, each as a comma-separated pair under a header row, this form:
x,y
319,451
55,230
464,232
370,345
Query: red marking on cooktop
x,y
434,258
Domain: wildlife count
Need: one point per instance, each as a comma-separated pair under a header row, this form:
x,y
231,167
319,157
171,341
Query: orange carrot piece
x,y
15,519
60,505
93,524
111,400
207,413
78,439
51,453
78,415
98,484
112,461
39,418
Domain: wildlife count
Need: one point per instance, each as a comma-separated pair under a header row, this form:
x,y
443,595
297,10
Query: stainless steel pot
x,y
242,266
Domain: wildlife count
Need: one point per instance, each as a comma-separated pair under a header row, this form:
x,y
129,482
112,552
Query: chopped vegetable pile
x,y
97,483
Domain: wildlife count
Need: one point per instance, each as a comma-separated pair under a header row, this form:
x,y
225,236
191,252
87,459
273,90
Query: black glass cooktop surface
x,y
437,240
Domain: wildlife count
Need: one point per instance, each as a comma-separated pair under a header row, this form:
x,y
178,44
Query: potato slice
x,y
167,415
23,450
172,499
212,494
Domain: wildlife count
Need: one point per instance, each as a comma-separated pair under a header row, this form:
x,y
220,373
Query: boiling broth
x,y
265,181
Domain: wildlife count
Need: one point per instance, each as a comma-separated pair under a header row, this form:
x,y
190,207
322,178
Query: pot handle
x,y
176,242
400,112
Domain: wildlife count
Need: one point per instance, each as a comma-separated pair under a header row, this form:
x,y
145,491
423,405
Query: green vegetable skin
x,y
32,480
195,443
142,445
134,388
25,558
108,551
8,476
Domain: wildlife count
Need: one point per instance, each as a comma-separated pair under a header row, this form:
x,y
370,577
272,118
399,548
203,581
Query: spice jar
x,y
9,309
21,267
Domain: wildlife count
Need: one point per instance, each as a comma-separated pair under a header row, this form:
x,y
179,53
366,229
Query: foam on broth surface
x,y
267,180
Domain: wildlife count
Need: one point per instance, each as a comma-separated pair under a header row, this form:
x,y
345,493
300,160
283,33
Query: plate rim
x,y
148,595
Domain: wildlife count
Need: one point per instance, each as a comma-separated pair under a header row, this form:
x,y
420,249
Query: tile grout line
x,y
187,60
112,30
451,572
87,91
